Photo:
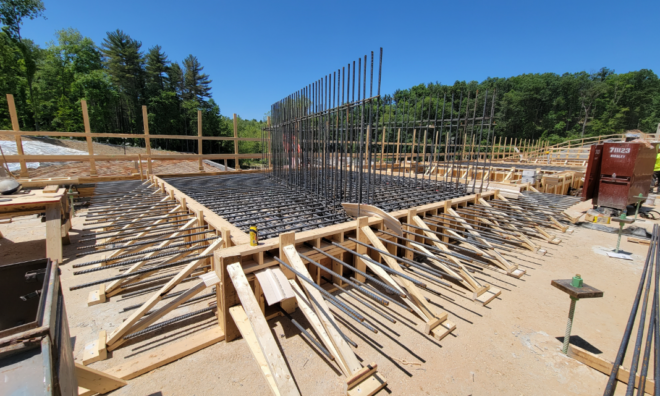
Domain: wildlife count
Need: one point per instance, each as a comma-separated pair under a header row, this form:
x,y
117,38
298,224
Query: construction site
x,y
365,254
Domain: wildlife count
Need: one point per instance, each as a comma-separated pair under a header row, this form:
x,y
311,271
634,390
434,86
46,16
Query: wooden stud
x,y
147,140
344,352
88,137
288,238
54,231
263,335
97,381
200,142
360,264
19,141
227,297
237,166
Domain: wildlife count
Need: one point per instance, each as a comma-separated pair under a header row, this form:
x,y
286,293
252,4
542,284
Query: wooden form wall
x,y
23,159
240,299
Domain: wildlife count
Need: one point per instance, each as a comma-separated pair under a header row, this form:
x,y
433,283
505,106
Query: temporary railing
x,y
23,158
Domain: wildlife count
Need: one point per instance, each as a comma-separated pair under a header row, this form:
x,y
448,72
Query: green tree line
x,y
549,106
116,78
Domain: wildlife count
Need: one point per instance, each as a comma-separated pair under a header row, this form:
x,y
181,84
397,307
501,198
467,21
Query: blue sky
x,y
259,52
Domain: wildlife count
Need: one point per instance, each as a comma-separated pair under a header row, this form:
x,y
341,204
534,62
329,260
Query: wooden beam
x,y
147,140
344,351
96,380
88,137
237,166
227,297
200,141
18,140
605,367
120,331
271,352
54,231
436,322
240,318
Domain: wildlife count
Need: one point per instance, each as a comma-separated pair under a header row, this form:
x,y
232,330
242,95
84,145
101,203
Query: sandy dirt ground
x,y
509,347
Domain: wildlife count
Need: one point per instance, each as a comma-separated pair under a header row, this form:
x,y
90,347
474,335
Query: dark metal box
x,y
36,356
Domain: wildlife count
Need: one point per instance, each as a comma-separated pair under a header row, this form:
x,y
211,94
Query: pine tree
x,y
125,65
196,83
157,69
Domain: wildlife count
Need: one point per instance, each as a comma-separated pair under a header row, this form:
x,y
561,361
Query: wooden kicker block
x,y
517,273
51,189
488,296
365,382
96,350
96,296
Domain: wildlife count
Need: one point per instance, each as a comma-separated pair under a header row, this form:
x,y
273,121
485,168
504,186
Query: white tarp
x,y
35,148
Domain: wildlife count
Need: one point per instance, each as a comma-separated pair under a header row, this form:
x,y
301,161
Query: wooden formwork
x,y
240,299
293,247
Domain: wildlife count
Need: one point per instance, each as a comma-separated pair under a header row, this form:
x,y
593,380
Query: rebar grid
x,y
339,148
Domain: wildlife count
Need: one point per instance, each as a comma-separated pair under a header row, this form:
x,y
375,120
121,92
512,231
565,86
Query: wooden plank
x,y
18,140
240,318
237,166
262,332
96,380
437,323
140,312
344,351
315,322
238,236
53,232
605,367
88,138
120,282
147,140
166,354
208,280
200,141
226,296
126,136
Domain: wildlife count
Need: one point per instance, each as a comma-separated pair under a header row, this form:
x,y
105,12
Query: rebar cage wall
x,y
339,141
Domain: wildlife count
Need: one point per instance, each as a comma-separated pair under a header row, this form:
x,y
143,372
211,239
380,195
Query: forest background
x,y
118,76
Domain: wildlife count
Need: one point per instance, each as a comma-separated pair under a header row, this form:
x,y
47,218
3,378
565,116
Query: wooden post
x,y
361,249
504,154
19,141
140,166
54,231
147,141
88,137
226,297
237,166
200,142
